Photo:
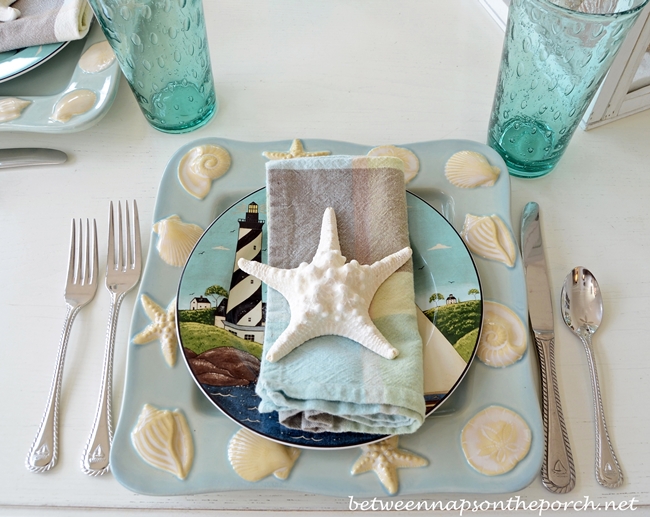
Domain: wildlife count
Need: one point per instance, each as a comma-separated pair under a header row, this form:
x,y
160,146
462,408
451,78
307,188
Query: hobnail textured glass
x,y
555,55
162,49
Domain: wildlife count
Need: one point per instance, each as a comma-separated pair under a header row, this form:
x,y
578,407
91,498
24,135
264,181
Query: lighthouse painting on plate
x,y
245,310
221,309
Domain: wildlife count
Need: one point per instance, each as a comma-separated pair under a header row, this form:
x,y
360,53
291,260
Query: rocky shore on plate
x,y
224,366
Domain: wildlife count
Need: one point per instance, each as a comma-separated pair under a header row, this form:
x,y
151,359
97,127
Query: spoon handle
x,y
558,471
608,471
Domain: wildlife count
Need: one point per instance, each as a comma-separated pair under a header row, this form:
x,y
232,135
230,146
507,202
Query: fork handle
x,y
43,454
96,456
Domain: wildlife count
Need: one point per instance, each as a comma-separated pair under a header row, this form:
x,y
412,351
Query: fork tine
x,y
136,238
120,239
129,245
80,254
95,262
86,268
71,255
110,262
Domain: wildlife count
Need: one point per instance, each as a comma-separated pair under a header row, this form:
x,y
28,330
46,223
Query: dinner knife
x,y
23,156
558,471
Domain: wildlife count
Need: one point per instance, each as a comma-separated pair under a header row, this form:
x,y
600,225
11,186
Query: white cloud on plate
x,y
221,248
440,246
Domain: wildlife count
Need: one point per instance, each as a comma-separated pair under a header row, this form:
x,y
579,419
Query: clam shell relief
x,y
489,237
163,439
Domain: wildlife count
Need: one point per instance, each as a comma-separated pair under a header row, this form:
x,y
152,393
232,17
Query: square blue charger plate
x,y
149,380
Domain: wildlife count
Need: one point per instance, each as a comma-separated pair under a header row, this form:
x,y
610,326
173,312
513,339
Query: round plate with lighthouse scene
x,y
221,315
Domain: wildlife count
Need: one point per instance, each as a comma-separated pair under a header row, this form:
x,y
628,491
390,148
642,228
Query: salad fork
x,y
80,289
123,267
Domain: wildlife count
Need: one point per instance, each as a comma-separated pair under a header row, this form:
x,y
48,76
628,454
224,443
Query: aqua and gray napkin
x,y
26,23
331,383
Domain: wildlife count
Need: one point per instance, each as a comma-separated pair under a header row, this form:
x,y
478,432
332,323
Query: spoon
x,y
582,310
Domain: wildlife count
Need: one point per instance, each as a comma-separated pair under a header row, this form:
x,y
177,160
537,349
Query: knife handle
x,y
558,471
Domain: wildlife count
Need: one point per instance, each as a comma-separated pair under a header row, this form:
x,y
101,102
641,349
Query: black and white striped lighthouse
x,y
244,310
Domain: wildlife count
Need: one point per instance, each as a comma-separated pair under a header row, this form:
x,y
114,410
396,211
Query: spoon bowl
x,y
582,310
582,303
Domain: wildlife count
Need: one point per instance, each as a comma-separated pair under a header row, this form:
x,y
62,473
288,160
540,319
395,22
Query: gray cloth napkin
x,y
331,383
45,21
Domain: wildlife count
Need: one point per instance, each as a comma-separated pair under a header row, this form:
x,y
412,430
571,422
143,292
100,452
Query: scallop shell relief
x,y
163,439
176,239
469,169
200,166
489,237
253,457
411,162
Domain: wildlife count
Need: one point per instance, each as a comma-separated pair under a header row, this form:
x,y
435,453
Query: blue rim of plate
x,y
17,62
239,403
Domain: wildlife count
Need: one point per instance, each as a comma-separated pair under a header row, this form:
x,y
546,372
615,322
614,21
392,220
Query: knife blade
x,y
24,156
558,471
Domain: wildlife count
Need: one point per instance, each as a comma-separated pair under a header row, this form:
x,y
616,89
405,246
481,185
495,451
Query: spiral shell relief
x,y
469,169
200,166
12,108
411,162
503,336
163,439
176,239
253,457
495,440
489,237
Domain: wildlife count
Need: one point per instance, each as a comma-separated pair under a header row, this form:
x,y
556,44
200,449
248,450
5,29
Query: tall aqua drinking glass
x,y
162,49
555,55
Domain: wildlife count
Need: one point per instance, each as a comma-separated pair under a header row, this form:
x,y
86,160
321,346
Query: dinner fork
x,y
81,286
123,267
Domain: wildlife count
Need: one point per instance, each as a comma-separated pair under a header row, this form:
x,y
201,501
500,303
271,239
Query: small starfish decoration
x,y
163,327
329,296
385,458
296,151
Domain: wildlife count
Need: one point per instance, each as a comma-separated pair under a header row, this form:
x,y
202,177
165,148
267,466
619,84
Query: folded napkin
x,y
44,21
332,383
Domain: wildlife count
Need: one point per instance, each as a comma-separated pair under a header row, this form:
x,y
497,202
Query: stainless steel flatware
x,y
558,471
23,156
81,286
582,310
123,268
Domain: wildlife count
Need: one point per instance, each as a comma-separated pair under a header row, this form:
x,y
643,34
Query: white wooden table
x,y
366,71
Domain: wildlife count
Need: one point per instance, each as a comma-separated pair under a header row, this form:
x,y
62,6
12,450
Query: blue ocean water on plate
x,y
240,403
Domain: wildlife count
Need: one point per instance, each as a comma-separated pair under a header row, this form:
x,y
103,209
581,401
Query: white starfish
x,y
328,296
385,458
163,327
296,151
